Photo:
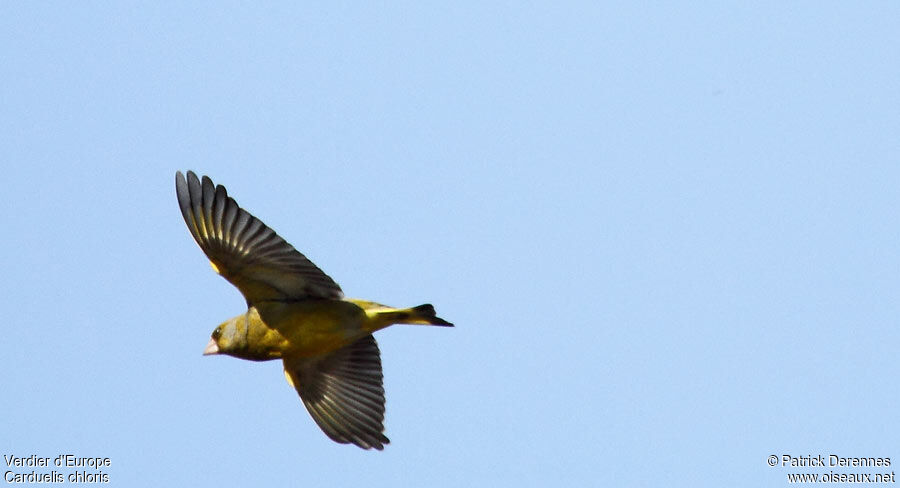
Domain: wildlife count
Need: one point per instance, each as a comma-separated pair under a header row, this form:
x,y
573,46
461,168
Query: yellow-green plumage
x,y
296,313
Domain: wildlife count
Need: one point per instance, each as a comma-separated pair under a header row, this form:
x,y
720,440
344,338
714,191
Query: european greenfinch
x,y
296,313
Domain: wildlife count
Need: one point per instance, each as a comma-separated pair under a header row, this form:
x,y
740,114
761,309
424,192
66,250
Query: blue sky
x,y
667,234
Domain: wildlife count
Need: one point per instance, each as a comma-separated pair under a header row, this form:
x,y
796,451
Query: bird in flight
x,y
296,313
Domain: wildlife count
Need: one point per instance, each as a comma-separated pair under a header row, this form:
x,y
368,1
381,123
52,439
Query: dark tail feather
x,y
426,313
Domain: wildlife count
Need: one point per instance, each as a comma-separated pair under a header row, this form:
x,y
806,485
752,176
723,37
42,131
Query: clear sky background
x,y
667,234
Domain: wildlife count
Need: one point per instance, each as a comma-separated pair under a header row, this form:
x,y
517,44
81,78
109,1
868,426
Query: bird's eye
x,y
216,333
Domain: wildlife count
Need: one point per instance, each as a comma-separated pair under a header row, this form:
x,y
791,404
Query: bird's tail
x,y
422,315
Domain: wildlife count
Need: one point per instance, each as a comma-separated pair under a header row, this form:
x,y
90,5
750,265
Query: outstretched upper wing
x,y
244,250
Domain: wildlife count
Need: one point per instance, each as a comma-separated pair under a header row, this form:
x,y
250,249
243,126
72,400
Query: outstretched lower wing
x,y
343,392
244,250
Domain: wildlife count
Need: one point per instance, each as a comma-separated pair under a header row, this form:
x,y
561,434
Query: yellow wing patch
x,y
215,268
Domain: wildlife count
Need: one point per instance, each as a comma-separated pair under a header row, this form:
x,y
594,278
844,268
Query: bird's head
x,y
230,337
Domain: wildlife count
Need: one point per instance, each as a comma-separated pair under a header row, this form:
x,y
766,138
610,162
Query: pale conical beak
x,y
211,348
